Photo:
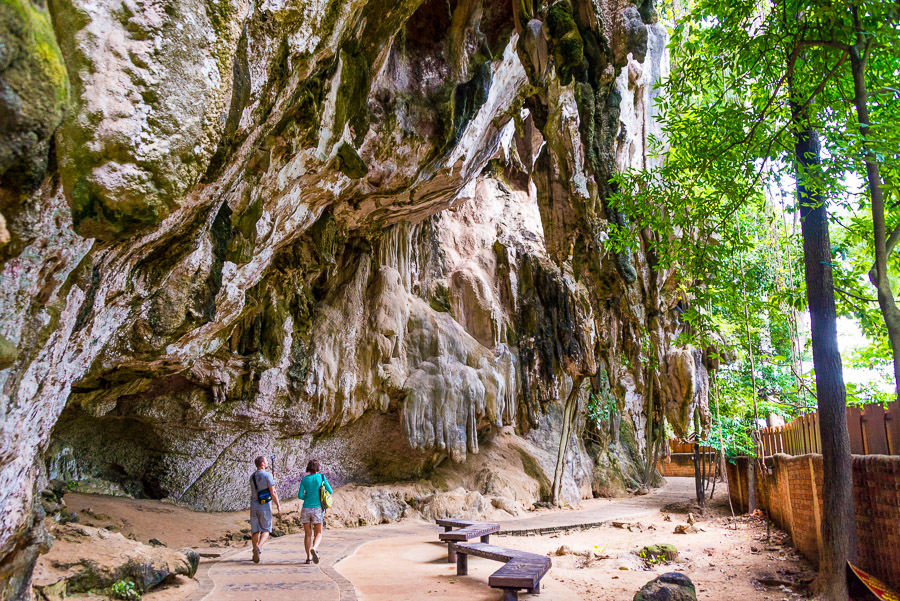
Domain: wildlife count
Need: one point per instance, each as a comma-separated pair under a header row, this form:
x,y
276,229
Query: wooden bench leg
x,y
448,528
462,564
534,591
510,594
451,553
486,538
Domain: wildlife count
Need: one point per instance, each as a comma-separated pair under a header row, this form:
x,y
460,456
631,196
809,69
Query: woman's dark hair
x,y
312,467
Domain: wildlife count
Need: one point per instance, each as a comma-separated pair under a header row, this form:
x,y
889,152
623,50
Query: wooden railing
x,y
676,446
873,431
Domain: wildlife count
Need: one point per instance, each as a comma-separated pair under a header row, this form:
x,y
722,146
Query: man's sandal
x,y
255,554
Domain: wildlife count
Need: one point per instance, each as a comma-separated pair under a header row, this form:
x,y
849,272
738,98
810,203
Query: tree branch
x,y
856,296
827,44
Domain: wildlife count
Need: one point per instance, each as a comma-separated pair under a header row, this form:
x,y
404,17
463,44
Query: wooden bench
x,y
521,570
465,530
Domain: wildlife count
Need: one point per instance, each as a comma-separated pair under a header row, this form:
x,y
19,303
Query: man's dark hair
x,y
312,467
259,461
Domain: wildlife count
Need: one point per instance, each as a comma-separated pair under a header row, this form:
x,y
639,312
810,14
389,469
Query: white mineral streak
x,y
483,134
272,383
634,85
569,122
326,131
658,67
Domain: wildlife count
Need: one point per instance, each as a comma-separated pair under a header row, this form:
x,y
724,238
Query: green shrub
x,y
124,589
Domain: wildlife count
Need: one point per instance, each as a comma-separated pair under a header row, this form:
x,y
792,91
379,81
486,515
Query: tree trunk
x,y
698,464
652,445
879,273
839,525
568,416
751,472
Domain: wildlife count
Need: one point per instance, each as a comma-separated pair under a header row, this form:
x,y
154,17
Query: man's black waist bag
x,y
263,496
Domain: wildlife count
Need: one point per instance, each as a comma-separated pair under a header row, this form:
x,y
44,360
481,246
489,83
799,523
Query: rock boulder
x,y
88,558
671,586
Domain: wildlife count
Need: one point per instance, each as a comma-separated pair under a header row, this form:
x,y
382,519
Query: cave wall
x,y
367,231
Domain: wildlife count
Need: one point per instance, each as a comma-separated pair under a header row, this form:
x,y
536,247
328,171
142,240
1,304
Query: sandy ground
x,y
725,558
419,570
171,524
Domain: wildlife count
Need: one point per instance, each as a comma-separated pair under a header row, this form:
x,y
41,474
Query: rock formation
x,y
371,232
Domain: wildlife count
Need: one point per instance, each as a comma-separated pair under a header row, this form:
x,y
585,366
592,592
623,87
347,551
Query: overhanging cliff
x,y
367,231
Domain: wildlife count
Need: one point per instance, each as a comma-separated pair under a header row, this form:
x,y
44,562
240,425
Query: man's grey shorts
x,y
261,519
311,515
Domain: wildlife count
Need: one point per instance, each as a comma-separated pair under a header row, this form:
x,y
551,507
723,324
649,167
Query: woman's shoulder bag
x,y
324,495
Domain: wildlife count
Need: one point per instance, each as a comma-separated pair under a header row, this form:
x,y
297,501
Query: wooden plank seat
x,y
465,530
521,570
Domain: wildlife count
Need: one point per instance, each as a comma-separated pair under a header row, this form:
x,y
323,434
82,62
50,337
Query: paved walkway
x,y
594,511
282,574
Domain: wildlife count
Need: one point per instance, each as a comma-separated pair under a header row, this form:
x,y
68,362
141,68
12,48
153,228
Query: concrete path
x,y
282,574
594,511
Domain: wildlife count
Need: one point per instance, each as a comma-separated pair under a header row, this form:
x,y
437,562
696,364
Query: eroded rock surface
x,y
367,232
92,559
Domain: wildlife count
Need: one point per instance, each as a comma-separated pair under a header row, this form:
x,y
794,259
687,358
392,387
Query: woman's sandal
x,y
308,561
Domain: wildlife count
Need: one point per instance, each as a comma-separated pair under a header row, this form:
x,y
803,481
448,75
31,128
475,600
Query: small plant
x,y
125,589
654,555
650,559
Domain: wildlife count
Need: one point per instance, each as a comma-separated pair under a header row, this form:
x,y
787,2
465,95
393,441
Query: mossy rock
x,y
34,92
353,89
8,353
672,586
439,299
350,163
534,470
659,553
568,47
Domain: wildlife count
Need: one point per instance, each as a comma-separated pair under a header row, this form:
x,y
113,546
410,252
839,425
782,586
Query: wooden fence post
x,y
876,435
893,427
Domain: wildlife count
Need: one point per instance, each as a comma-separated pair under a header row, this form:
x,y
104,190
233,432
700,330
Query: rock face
x,y
367,232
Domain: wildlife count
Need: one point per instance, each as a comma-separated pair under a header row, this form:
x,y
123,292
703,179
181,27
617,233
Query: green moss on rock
x,y
34,92
659,553
468,98
243,238
568,47
353,89
350,163
8,353
534,470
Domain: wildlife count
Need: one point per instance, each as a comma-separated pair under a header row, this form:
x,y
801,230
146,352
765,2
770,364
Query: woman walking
x,y
312,515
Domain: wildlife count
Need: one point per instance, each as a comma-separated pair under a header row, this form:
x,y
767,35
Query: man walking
x,y
262,494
